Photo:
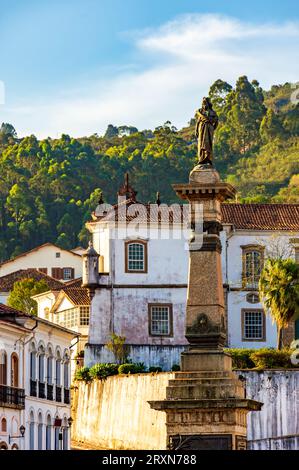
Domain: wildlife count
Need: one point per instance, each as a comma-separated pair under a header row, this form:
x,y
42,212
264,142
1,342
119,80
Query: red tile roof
x,y
262,216
77,295
6,310
73,283
7,281
241,216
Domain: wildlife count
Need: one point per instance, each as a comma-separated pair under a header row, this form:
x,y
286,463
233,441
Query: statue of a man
x,y
206,123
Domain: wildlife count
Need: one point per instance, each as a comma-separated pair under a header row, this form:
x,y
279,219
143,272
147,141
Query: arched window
x,y
136,256
65,435
14,370
253,260
56,435
66,381
31,431
58,369
33,362
50,367
40,432
41,364
15,447
3,367
48,433
3,446
3,425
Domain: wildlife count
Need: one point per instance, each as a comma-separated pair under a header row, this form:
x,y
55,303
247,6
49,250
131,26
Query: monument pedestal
x,y
206,404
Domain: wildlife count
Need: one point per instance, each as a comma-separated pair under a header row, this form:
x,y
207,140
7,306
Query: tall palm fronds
x,y
279,292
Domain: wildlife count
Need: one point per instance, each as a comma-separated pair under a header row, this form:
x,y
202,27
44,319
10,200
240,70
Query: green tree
x,y
8,129
271,127
218,95
111,131
279,292
23,290
245,110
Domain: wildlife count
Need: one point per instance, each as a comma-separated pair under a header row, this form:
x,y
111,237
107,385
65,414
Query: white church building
x,y
139,289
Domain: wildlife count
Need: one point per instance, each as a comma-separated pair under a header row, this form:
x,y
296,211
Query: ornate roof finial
x,y
158,200
127,190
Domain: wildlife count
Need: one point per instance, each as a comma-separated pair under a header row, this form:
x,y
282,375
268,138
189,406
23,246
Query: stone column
x,y
206,404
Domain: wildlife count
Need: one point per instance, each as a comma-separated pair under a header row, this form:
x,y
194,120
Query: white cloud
x,y
186,56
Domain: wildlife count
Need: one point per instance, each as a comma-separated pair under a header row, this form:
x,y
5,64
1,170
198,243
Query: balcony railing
x,y
67,396
12,397
58,393
49,392
33,388
41,390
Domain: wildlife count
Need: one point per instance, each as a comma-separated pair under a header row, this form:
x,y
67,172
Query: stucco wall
x,y
44,257
115,413
277,424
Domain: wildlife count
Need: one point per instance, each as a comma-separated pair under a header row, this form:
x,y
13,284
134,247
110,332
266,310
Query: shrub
x,y
241,358
131,368
155,369
101,371
175,368
83,374
271,358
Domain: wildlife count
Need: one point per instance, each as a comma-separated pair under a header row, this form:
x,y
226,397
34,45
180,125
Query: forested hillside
x,y
48,188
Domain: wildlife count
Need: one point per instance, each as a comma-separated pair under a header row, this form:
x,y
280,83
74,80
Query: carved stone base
x,y
204,174
206,409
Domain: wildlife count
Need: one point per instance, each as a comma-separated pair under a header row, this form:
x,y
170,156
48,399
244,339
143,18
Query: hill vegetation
x,y
49,187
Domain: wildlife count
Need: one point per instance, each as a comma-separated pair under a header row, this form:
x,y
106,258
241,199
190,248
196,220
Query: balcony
x,y
58,393
33,388
49,392
12,397
41,390
67,396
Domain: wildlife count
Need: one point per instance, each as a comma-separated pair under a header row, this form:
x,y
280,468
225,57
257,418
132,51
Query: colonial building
x,y
68,307
34,382
141,288
48,258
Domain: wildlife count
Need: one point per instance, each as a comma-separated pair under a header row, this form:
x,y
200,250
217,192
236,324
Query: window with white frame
x,y
253,325
67,274
136,256
160,319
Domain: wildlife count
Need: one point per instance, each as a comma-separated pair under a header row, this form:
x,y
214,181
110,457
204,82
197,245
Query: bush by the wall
x,y
155,369
241,358
101,371
131,368
83,374
271,358
265,358
175,368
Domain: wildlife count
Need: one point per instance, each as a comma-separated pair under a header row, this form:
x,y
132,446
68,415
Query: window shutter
x,y
73,273
57,273
43,270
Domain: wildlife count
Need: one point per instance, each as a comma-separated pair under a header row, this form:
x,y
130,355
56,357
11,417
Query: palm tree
x,y
279,292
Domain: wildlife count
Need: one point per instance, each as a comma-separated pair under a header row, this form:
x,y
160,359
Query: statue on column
x,y
206,124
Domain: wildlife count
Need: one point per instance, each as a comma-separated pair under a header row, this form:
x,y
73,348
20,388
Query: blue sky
x,y
73,66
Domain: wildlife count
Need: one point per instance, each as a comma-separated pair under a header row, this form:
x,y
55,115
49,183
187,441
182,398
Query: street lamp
x,y
22,430
69,421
